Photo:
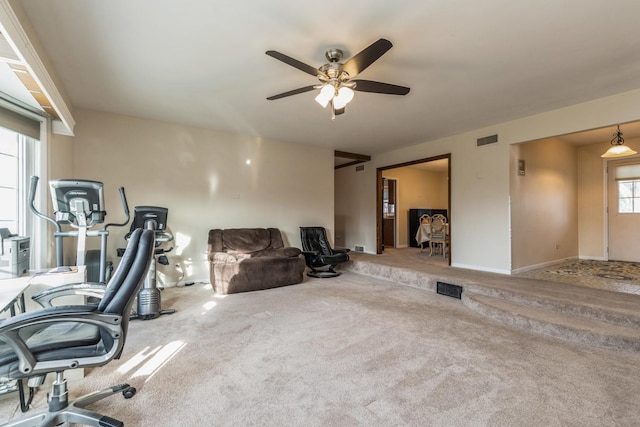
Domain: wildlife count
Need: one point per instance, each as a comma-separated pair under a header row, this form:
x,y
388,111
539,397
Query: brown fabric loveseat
x,y
252,259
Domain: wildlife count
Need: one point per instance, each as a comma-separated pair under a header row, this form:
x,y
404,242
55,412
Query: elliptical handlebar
x,y
32,197
125,208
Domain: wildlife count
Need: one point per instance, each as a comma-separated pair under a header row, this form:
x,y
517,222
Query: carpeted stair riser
x,y
399,275
617,329
558,325
620,317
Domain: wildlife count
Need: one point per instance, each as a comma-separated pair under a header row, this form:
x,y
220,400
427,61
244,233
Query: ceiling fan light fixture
x,y
617,148
325,95
344,96
336,78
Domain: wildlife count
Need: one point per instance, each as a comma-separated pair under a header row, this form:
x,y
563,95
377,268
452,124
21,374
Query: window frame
x,y
34,162
634,199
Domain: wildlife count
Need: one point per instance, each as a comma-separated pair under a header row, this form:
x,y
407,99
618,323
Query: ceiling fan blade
x,y
368,56
292,92
295,63
379,87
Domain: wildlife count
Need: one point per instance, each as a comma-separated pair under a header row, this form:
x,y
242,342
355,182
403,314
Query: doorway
x,y
623,200
418,192
389,195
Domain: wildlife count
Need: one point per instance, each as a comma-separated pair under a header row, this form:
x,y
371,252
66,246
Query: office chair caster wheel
x,y
129,392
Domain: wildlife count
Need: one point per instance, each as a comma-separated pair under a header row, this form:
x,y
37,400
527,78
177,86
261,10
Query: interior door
x,y
623,189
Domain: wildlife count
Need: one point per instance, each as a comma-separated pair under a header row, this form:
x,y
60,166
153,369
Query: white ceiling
x,y
469,63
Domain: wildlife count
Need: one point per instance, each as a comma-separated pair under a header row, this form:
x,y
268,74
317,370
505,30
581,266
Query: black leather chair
x,y
318,253
57,338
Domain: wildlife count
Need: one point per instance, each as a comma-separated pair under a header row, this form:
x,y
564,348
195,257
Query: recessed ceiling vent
x,y
491,139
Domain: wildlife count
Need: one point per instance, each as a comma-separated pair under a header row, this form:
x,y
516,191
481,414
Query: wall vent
x,y
359,168
359,248
449,290
491,139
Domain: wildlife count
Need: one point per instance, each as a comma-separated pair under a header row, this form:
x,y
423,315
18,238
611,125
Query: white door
x,y
624,210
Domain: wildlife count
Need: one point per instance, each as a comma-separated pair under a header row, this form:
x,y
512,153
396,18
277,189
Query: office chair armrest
x,y
341,250
10,331
305,253
89,289
310,256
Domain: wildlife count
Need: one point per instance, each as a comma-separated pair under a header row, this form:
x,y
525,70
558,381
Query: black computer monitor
x,y
143,214
74,198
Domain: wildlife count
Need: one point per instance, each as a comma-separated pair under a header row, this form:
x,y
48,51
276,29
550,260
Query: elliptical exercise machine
x,y
80,204
149,305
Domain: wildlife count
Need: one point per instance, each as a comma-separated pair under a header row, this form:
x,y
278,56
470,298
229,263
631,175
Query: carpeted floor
x,y
354,351
617,276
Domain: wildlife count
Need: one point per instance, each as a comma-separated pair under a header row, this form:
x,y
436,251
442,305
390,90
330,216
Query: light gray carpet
x,y
354,351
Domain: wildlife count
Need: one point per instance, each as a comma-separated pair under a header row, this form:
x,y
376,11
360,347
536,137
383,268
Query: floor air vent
x,y
449,290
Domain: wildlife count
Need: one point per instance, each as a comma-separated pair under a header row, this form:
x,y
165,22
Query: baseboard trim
x,y
542,265
479,268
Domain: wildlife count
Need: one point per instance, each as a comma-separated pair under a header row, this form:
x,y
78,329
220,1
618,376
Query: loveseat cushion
x,y
233,256
245,240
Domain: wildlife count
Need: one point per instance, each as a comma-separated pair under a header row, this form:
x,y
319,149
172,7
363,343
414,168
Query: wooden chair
x,y
439,234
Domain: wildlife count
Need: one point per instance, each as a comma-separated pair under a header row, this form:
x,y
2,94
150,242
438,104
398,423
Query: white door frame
x,y
605,201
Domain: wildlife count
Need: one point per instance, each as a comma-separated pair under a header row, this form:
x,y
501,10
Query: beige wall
x,y
59,158
480,193
416,189
352,208
202,177
544,203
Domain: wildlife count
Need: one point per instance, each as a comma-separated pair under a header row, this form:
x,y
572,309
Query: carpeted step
x,y
561,325
616,312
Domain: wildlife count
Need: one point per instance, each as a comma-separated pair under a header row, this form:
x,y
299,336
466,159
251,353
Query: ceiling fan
x,y
336,78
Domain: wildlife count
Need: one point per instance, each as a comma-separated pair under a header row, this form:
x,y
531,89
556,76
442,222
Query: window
x,y
21,154
629,196
18,159
628,180
9,162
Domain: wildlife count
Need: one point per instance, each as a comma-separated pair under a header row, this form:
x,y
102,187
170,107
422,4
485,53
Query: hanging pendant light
x,y
617,148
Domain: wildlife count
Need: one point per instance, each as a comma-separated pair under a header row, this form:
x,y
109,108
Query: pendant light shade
x,y
617,148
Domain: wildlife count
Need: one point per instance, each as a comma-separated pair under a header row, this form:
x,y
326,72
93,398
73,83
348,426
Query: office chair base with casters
x,y
62,411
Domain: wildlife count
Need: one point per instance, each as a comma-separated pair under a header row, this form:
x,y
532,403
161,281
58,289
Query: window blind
x,y
628,172
19,123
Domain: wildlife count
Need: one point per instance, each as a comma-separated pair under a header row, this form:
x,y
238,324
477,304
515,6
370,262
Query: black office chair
x,y
318,253
57,338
